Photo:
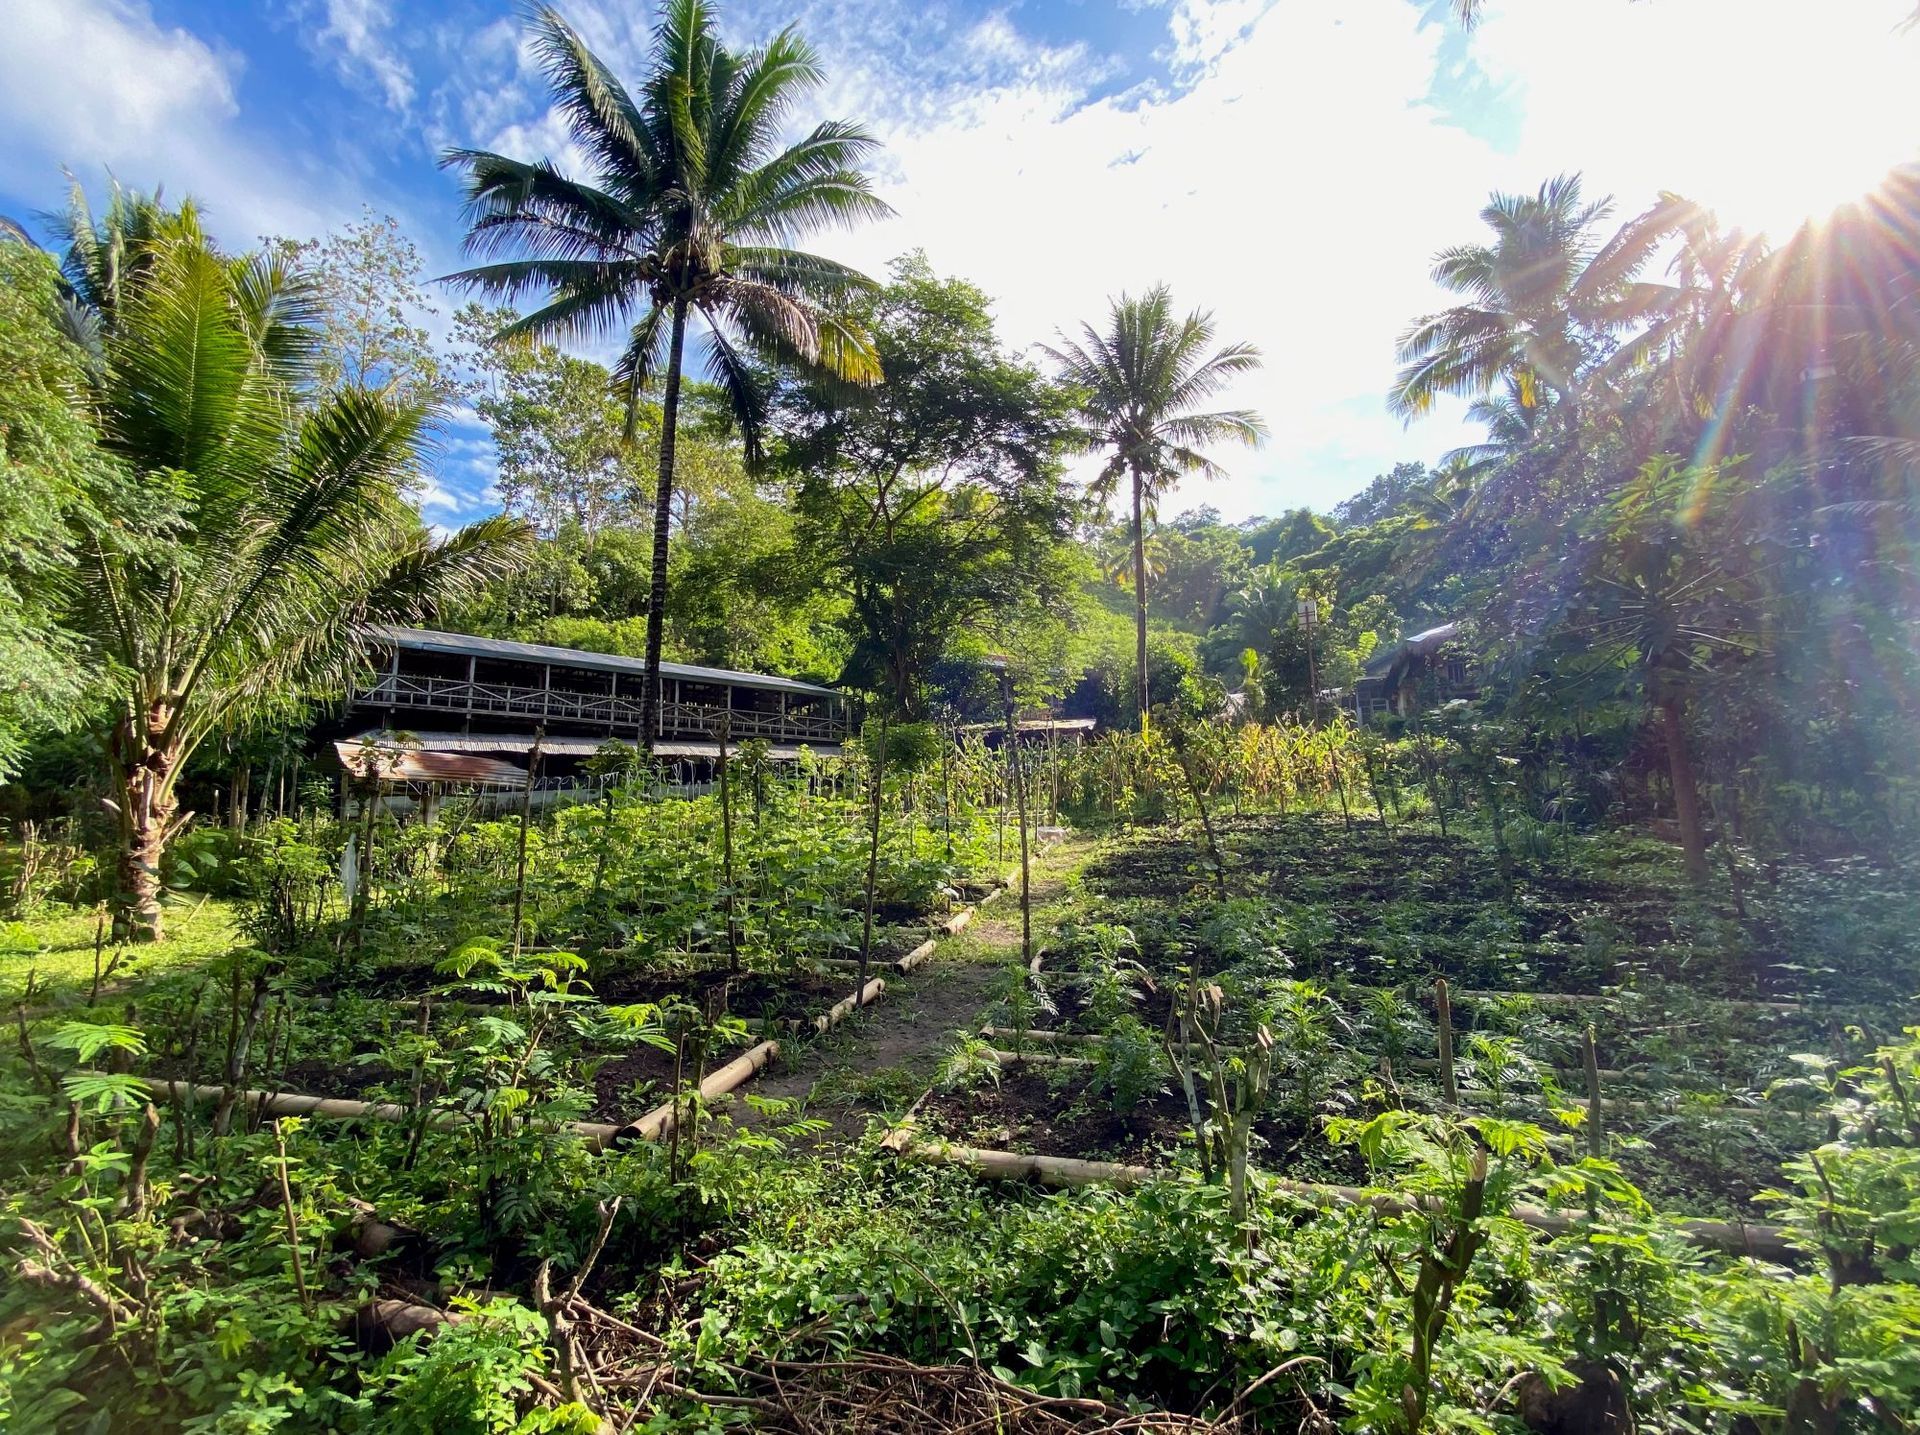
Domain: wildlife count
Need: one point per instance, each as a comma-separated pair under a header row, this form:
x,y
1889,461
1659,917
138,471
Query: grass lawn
x,y
58,948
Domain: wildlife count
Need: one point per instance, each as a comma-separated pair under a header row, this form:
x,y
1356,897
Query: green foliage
x,y
272,531
935,504
472,1379
1127,1063
53,483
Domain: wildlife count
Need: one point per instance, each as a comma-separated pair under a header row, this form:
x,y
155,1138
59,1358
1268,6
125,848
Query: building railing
x,y
620,715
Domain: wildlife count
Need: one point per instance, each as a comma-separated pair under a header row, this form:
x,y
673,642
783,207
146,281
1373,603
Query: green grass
x,y
58,949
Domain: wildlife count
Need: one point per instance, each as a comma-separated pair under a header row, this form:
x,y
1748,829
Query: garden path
x,y
879,1063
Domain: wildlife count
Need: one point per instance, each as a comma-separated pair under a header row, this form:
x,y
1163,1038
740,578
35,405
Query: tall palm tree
x,y
1142,384
264,524
690,211
1539,297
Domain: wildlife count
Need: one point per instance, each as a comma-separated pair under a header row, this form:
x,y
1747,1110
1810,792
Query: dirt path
x,y
877,1064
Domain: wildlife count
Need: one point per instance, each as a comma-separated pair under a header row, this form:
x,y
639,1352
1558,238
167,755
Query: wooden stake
x,y
1596,1128
1443,1020
293,1225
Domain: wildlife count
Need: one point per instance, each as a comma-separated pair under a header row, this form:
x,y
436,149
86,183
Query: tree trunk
x,y
149,815
1140,602
1686,791
662,523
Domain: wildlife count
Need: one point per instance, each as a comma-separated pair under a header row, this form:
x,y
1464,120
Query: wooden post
x,y
520,859
1053,760
1020,801
726,850
1596,1127
1443,1022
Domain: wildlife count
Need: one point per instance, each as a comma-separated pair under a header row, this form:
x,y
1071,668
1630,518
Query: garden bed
x,y
1380,909
760,998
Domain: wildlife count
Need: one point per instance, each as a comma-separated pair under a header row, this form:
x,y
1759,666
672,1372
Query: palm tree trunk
x,y
1140,603
662,521
148,816
1686,791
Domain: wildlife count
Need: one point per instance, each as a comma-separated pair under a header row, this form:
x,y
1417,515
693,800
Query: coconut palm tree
x,y
1539,299
264,524
688,213
1142,383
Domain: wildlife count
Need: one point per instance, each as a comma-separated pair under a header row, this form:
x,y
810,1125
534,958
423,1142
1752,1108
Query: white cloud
x,y
1770,116
356,37
91,83
1292,188
1291,172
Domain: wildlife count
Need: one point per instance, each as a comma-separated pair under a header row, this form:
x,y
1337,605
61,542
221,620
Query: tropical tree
x,y
1669,597
1142,383
1541,299
273,521
689,213
51,484
937,502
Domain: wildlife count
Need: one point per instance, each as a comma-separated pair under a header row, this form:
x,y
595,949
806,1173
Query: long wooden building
x,y
455,693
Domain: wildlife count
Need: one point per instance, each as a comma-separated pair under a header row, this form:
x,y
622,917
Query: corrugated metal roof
x,y
455,769
1420,645
427,640
465,742
779,751
488,742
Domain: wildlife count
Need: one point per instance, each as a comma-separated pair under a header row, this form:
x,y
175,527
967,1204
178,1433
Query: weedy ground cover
x,y
1332,941
1253,1006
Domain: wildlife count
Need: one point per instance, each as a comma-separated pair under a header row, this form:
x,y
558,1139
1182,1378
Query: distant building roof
x,y
449,744
427,640
451,769
1420,645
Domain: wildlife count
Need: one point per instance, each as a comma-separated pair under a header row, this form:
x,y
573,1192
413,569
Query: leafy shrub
x,y
1127,1064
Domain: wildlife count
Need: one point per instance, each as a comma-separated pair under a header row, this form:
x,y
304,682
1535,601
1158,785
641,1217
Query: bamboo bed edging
x,y
922,953
1762,1242
833,1016
957,923
598,1134
658,1122
335,1108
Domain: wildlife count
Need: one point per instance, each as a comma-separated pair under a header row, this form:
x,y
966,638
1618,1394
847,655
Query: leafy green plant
x,y
968,1063
1127,1063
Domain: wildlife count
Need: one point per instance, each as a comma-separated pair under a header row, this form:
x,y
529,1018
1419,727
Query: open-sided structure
x,y
455,693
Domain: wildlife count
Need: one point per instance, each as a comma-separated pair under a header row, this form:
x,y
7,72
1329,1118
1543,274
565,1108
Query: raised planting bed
x,y
1740,1238
1706,1159
1050,1108
769,1000
1387,908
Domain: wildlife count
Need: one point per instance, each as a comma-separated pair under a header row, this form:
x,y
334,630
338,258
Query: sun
x,y
1769,112
1793,110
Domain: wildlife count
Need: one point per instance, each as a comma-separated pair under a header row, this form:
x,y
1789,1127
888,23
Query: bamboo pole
x,y
1739,1238
1443,1025
333,1108
736,1073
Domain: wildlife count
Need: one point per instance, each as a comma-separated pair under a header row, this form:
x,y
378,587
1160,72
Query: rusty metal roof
x,y
465,645
398,766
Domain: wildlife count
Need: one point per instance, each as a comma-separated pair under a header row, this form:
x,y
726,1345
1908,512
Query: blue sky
x,y
1290,164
